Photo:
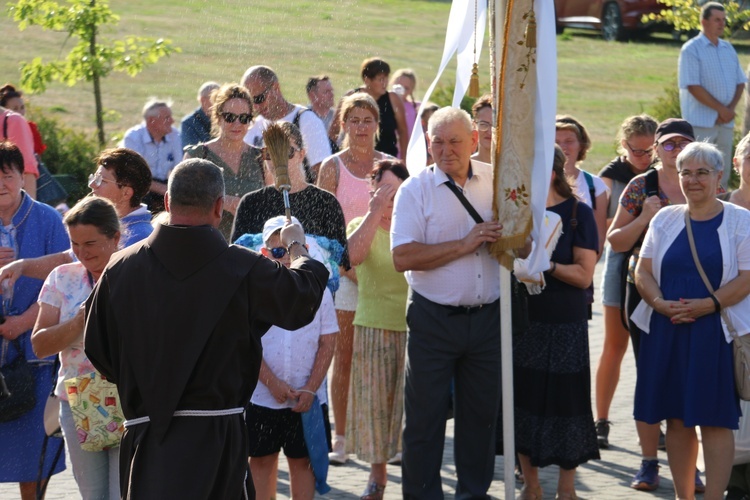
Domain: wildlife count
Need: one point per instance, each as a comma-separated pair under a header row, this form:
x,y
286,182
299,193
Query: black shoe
x,y
734,493
602,433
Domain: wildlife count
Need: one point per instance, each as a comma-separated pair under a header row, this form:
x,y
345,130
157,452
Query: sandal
x,y
374,491
528,493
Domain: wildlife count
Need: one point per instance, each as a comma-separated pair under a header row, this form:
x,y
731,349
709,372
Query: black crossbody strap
x,y
466,203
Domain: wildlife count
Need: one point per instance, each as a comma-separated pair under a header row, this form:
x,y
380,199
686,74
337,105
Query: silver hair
x,y
701,153
446,115
151,108
195,183
206,89
743,147
264,73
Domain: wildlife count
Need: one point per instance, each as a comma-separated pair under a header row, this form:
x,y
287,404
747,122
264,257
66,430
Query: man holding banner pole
x,y
442,222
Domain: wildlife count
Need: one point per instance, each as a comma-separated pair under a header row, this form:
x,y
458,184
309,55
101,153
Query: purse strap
x,y
466,203
694,251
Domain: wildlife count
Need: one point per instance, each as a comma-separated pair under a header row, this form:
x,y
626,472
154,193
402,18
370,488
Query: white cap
x,y
274,224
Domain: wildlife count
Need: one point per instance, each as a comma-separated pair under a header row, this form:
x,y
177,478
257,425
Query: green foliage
x,y
89,60
667,105
684,16
68,151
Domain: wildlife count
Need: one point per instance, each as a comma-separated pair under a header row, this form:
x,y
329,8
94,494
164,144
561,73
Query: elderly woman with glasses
x,y
231,114
643,197
687,348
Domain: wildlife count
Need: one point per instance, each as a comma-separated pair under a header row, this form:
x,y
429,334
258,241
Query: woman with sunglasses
x,y
636,147
481,113
639,203
231,115
345,174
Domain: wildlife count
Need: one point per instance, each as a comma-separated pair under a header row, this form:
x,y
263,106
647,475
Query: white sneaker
x,y
338,455
395,459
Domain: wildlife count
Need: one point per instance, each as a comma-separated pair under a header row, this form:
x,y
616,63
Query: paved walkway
x,y
607,478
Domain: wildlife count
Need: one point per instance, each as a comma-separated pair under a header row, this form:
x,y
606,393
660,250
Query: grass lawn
x,y
600,83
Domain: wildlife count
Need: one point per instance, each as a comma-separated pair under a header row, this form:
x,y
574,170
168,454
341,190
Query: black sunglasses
x,y
244,118
292,151
278,252
261,98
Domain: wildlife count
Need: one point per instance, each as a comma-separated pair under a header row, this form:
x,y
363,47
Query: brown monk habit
x,y
176,323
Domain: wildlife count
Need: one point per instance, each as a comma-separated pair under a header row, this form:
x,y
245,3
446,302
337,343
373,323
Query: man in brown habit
x,y
176,323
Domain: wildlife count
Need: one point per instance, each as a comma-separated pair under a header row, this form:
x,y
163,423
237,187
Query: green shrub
x,y
668,104
69,151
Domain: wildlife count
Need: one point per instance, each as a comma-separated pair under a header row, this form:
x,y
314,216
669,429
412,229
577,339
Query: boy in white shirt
x,y
292,373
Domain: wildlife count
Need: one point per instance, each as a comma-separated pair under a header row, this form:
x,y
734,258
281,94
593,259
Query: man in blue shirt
x,y
196,127
159,143
711,83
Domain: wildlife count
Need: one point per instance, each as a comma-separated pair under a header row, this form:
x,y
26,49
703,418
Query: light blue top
x,y
717,69
161,157
136,226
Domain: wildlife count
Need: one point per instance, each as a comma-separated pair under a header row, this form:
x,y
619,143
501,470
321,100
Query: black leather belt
x,y
455,310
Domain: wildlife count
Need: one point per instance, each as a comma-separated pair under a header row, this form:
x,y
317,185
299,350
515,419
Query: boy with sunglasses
x,y
292,374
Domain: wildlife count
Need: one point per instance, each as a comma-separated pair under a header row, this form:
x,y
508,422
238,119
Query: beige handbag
x,y
741,343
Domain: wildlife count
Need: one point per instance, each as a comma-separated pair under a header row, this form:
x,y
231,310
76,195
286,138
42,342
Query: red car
x,y
617,19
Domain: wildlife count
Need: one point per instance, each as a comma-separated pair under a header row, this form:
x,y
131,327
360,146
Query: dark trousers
x,y
445,345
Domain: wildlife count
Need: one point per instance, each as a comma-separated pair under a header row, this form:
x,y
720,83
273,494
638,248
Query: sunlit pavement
x,y
600,479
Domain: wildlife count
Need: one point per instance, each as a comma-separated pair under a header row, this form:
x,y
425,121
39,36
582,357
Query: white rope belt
x,y
189,413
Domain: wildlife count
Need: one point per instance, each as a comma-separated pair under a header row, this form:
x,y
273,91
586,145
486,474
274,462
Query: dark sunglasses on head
x,y
277,252
244,118
267,155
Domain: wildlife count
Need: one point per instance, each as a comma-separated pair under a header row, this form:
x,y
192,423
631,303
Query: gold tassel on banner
x,y
474,82
530,34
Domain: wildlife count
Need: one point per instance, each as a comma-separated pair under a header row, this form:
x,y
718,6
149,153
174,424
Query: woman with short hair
x,y
687,344
29,229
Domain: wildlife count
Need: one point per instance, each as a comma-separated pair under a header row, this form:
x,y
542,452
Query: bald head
x,y
261,74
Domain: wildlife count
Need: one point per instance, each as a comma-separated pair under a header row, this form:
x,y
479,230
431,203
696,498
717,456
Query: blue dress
x,y
40,231
685,371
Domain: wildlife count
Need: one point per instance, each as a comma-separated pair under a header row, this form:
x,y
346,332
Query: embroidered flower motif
x,y
518,196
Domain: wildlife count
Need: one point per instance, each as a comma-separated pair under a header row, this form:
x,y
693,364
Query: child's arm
x,y
323,357
280,390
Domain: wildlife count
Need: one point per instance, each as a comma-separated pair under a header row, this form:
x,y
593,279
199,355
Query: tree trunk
x,y
97,84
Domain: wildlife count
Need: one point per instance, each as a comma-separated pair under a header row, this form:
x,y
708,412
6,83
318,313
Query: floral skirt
x,y
376,394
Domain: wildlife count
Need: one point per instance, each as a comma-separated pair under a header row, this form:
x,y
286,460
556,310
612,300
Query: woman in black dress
x,y
554,423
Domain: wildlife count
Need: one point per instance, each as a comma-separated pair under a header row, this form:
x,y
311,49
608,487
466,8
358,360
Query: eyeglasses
x,y
483,126
671,145
261,98
267,155
701,174
95,180
244,118
641,152
277,252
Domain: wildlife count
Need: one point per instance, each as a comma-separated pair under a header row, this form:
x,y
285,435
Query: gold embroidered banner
x,y
514,83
